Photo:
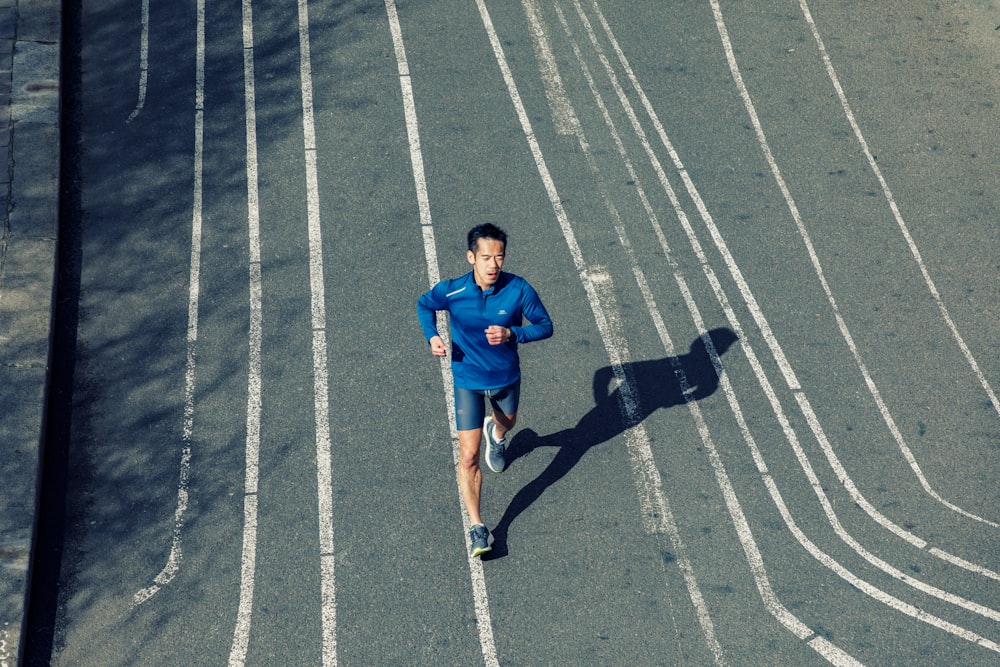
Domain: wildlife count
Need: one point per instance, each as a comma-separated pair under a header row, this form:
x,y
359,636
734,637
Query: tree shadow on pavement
x,y
656,384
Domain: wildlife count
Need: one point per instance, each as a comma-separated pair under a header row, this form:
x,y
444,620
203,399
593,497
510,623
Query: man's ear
x,y
471,256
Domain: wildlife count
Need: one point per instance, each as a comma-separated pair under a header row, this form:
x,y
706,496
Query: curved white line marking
x,y
897,215
484,623
652,500
176,552
248,566
748,297
818,268
765,384
755,560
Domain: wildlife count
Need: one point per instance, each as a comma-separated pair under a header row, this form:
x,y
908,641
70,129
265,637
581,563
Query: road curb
x,y
30,40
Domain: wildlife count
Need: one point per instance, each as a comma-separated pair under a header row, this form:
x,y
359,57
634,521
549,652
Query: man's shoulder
x,y
448,283
514,280
454,285
518,284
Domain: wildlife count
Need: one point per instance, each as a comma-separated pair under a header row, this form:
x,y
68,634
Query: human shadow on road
x,y
655,383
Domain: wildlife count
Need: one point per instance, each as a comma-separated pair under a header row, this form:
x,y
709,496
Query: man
x,y
487,307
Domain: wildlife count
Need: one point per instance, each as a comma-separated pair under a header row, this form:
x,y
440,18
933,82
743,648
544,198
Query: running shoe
x,y
481,539
494,447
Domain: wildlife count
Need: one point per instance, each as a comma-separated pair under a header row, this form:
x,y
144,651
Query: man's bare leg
x,y
470,476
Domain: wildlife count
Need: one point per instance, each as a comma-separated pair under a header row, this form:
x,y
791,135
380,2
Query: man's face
x,y
486,262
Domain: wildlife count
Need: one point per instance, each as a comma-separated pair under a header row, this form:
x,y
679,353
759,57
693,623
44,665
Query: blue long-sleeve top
x,y
475,363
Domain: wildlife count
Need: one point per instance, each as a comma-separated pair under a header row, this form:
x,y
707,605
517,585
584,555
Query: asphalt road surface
x,y
766,430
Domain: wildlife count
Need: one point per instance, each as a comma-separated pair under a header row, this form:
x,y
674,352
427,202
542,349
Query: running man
x,y
487,307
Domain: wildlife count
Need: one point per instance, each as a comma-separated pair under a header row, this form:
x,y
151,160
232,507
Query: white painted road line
x,y
822,557
755,559
563,115
143,61
841,323
176,552
656,511
241,633
321,391
484,624
896,214
748,297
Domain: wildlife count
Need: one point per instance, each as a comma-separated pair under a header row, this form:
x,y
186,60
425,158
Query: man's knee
x,y
468,455
469,461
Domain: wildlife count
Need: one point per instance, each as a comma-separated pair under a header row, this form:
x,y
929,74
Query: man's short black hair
x,y
486,231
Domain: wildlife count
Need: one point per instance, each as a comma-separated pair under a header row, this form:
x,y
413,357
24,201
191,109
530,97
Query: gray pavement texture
x,y
30,36
30,45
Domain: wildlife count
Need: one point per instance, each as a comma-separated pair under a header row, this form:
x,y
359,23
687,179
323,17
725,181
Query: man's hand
x,y
438,348
498,335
